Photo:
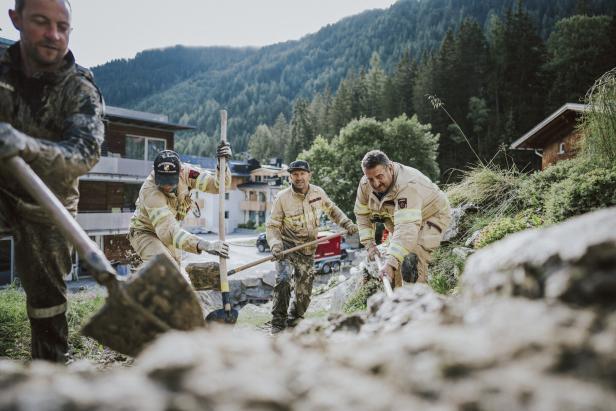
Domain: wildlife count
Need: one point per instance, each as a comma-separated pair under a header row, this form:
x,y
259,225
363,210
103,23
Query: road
x,y
240,253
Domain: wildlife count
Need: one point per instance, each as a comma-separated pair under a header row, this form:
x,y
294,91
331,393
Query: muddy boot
x,y
293,321
275,329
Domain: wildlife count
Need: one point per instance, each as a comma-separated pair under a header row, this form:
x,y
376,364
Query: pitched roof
x,y
563,119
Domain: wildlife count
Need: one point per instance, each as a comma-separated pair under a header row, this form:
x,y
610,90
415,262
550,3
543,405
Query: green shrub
x,y
358,301
445,269
492,189
580,194
15,326
503,226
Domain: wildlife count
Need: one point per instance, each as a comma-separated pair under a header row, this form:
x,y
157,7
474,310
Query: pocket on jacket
x,y
430,236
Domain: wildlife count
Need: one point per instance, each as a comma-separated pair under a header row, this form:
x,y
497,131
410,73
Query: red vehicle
x,y
328,256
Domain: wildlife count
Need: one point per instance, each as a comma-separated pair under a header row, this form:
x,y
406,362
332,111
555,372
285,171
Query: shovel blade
x,y
223,317
159,299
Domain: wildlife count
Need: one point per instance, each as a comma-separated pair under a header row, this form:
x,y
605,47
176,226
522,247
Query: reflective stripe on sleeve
x,y
397,250
180,238
157,214
201,183
361,209
40,313
366,234
412,215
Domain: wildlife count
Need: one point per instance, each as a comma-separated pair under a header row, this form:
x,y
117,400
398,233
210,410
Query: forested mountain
x,y
257,85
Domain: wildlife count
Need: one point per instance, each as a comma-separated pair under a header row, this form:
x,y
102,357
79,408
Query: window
x,y
226,215
226,196
262,197
143,148
561,148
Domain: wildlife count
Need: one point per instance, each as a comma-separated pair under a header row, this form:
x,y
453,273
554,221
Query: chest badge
x,y
402,203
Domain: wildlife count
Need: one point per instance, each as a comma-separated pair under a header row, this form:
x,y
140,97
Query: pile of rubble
x,y
533,328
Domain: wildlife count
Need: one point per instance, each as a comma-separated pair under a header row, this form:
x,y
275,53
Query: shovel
x,y
135,312
226,315
386,283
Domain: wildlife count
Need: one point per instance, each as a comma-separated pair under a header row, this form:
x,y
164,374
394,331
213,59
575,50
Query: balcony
x,y
119,169
252,206
104,223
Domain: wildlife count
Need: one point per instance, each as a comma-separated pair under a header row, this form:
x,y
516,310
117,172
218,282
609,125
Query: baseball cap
x,y
299,165
167,168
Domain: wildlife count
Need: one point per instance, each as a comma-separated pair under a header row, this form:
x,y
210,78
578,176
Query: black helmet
x,y
299,165
167,168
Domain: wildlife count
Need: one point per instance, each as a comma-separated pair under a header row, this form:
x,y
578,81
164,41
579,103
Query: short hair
x,y
20,4
375,158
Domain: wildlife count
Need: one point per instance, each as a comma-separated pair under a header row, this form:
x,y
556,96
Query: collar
x,y
302,195
12,58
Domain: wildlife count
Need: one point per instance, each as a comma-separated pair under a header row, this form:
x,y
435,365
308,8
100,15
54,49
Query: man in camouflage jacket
x,y
164,200
295,220
414,210
51,116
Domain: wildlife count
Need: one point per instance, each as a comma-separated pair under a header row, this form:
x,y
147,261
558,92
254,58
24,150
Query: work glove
x,y
12,142
224,150
277,252
350,227
373,252
215,247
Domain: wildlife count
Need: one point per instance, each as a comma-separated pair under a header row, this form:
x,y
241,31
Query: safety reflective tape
x,y
366,234
202,181
397,250
411,215
180,238
40,313
361,209
157,214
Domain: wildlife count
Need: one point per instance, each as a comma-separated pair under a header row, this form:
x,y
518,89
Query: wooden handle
x,y
65,222
222,174
285,252
386,283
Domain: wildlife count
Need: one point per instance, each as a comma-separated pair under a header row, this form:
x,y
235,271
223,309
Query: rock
x,y
204,275
344,290
462,252
258,293
251,282
457,214
574,261
269,278
470,242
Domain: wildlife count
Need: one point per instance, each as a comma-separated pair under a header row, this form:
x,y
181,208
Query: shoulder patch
x,y
193,174
402,203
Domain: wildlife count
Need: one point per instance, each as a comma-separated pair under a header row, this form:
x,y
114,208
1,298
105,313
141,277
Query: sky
x,y
109,29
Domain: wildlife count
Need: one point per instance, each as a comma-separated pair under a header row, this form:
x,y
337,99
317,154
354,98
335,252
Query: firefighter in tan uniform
x,y
295,220
164,200
414,210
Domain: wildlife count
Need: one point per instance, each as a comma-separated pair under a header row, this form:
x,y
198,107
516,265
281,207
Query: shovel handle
x,y
386,283
222,174
285,252
65,222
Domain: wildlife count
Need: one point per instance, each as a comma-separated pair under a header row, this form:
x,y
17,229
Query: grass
x,y
358,301
15,327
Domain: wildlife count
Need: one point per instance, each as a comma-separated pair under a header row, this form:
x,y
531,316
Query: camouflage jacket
x,y
411,201
161,213
295,217
63,111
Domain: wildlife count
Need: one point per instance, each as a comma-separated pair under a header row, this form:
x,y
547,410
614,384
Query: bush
x,y
445,269
580,194
492,189
15,326
501,227
250,225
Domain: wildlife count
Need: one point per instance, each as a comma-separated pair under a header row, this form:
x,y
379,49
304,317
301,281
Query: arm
x,y
407,222
362,214
335,213
167,228
83,134
273,225
205,181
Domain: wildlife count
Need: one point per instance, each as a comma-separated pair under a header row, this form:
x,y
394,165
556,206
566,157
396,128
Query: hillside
x,y
256,85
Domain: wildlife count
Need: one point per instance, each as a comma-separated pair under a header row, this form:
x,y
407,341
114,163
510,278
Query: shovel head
x,y
156,300
222,316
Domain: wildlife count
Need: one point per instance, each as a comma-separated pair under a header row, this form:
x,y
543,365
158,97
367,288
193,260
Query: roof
x,y
5,42
560,122
238,168
142,118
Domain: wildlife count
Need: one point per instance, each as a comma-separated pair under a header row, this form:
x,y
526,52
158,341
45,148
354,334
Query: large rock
x,y
574,261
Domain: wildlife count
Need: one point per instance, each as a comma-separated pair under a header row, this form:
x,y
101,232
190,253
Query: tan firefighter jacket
x,y
410,202
161,213
295,217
